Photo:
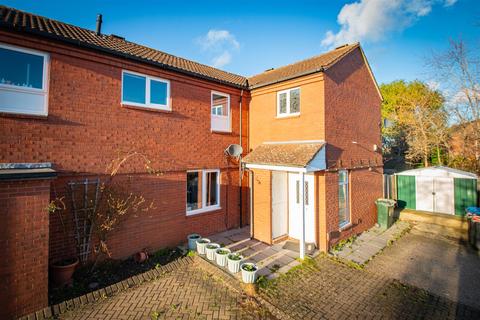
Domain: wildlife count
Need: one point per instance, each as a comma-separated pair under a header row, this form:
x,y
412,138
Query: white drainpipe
x,y
302,240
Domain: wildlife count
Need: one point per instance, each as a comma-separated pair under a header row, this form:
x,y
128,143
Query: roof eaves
x,y
120,54
294,76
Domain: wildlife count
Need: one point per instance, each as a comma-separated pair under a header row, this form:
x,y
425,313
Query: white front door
x,y
444,195
295,207
279,204
424,193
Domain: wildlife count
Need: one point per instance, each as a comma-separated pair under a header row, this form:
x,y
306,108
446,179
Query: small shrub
x,y
249,267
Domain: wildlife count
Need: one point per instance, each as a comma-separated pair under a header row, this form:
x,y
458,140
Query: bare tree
x,y
458,71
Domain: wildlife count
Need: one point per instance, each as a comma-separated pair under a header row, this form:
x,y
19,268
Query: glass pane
x,y
194,190
21,69
342,176
221,103
134,88
212,196
158,92
306,193
282,100
297,185
295,101
217,110
343,203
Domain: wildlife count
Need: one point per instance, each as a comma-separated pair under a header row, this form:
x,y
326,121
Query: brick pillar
x,y
23,246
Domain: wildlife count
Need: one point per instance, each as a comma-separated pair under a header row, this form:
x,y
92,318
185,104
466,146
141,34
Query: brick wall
x,y
24,243
86,127
264,124
352,107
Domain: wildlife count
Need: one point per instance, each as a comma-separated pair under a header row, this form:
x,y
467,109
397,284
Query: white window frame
x,y
345,223
214,117
204,207
288,113
148,104
43,91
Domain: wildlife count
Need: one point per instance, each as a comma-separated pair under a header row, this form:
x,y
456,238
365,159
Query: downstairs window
x,y
203,191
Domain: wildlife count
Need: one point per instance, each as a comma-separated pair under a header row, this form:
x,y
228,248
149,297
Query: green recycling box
x,y
385,212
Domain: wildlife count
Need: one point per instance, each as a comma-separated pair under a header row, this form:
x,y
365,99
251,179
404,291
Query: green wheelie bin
x,y
385,209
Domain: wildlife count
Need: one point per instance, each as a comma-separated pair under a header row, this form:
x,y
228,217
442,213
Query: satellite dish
x,y
234,150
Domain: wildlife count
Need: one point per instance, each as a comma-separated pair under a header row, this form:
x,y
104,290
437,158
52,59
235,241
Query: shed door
x,y
406,192
465,194
443,197
425,193
279,204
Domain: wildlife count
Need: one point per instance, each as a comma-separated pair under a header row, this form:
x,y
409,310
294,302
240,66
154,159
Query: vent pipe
x,y
99,24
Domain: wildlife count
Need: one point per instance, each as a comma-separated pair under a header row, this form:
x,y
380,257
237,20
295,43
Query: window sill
x,y
221,131
150,109
345,226
4,114
293,115
202,210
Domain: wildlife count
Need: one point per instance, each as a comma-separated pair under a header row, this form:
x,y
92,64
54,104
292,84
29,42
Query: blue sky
x,y
249,37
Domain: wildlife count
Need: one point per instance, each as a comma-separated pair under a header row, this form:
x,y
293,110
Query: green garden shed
x,y
437,189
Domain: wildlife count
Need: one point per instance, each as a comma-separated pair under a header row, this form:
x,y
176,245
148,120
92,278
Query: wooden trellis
x,y
84,196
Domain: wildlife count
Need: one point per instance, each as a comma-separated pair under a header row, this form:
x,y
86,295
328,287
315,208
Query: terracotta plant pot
x,y
140,257
62,271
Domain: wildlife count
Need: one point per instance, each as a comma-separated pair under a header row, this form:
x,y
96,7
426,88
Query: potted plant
x,y
62,271
221,256
233,262
249,272
192,241
210,249
201,244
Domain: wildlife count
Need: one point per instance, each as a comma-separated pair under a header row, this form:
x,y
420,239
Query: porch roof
x,y
299,154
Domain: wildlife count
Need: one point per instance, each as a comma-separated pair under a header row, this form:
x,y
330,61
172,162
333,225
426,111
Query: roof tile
x,y
284,154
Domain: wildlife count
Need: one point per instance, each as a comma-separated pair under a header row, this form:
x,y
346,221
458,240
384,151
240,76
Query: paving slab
x,y
370,243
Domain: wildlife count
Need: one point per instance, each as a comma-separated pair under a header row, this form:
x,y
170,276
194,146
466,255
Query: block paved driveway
x,y
329,290
185,293
427,259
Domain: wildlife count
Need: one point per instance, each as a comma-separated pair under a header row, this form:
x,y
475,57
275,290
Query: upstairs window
x,y
288,102
23,81
145,91
203,191
220,112
343,198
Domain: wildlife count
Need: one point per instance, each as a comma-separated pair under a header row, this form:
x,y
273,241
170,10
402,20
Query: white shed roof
x,y
438,171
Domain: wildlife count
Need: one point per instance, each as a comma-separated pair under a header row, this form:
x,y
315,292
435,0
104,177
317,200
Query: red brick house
x,y
75,98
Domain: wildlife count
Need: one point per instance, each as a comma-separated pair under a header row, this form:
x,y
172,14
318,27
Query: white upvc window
x,y
203,191
220,112
343,198
288,102
23,80
140,90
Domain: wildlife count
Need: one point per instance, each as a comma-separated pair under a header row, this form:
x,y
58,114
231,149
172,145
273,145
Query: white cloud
x,y
220,44
222,59
373,20
449,3
218,38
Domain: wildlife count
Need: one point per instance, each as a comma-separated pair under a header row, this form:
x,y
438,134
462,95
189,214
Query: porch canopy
x,y
293,156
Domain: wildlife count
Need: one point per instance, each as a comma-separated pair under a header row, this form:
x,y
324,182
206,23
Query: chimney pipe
x,y
99,24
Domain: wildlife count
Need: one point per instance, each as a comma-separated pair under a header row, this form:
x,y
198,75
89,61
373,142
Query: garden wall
x,y
24,246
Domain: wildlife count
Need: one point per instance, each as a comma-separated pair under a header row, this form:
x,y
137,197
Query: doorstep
x,y
271,260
